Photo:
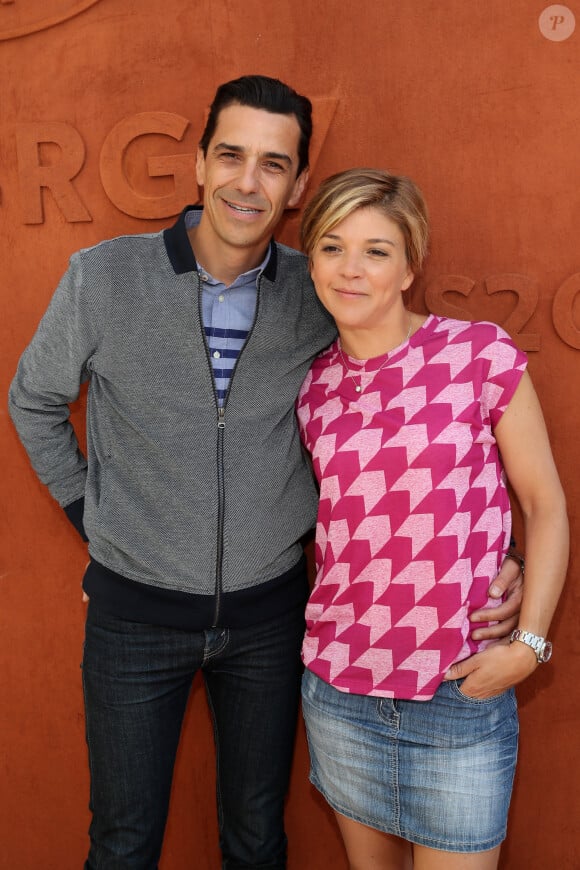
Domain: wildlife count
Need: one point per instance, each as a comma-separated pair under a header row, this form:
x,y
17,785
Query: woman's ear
x,y
408,280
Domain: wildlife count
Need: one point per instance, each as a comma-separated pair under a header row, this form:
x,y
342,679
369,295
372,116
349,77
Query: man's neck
x,y
223,262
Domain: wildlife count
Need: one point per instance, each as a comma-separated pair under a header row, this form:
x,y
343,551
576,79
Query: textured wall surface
x,y
101,105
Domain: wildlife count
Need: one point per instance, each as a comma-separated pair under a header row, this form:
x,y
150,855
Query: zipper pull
x,y
221,418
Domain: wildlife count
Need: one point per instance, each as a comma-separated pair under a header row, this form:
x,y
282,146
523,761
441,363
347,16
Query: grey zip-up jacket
x,y
177,495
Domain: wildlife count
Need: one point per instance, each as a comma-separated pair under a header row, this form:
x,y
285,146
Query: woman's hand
x,y
494,670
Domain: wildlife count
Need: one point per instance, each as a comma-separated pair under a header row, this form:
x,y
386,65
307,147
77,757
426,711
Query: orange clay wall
x,y
101,106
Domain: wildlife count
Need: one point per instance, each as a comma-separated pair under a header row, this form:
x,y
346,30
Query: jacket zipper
x,y
221,425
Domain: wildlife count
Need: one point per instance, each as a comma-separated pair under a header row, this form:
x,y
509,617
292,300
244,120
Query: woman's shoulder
x,y
328,356
451,324
478,331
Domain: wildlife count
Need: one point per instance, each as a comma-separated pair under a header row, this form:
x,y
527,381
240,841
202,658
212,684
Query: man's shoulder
x,y
123,243
291,255
290,266
123,255
293,252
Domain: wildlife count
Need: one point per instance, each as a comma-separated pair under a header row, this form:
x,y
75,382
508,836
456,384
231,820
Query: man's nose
x,y
247,181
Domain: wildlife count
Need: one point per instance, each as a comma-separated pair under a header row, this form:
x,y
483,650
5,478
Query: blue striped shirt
x,y
228,314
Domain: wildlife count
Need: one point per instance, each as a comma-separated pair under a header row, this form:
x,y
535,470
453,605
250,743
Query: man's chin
x,y
246,237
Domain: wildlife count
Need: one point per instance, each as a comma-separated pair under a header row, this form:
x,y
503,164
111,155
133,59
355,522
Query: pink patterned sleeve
x,y
507,363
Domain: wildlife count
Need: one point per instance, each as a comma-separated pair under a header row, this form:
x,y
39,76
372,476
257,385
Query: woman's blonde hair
x,y
396,196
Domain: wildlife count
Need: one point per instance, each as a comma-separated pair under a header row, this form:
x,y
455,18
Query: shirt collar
x,y
192,219
180,252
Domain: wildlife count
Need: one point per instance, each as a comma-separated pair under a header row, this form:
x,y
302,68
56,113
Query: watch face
x,y
546,653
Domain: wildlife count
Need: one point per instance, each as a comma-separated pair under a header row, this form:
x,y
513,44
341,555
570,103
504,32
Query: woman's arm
x,y
527,457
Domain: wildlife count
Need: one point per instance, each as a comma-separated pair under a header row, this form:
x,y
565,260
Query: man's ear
x,y
299,188
200,167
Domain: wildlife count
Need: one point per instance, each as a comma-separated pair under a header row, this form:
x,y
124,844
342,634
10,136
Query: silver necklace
x,y
358,387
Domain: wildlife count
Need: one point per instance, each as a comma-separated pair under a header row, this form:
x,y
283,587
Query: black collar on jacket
x,y
180,252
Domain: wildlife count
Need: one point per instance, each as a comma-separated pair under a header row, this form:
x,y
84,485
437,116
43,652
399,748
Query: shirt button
x,y
203,276
216,354
221,297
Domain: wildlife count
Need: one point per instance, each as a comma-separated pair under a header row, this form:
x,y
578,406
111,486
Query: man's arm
x,y
509,582
47,380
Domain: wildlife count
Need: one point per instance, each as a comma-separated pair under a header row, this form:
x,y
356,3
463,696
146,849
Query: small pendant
x,y
357,388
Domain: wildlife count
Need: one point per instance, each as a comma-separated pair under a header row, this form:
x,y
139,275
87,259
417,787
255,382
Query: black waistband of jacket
x,y
139,602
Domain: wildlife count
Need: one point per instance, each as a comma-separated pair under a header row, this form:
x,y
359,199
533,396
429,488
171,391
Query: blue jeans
x,y
136,681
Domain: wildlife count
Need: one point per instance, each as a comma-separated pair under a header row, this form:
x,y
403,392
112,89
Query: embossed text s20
x,y
526,291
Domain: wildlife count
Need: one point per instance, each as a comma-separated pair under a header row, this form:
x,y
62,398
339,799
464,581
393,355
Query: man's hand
x,y
509,581
85,596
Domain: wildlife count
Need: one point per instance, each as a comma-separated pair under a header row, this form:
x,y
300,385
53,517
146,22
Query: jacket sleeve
x,y
49,375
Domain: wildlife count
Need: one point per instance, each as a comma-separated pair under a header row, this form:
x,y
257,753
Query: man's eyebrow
x,y
275,155
239,149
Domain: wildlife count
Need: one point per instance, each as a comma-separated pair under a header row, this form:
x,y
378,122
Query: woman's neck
x,y
373,342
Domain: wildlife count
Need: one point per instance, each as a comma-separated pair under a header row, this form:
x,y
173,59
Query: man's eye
x,y
273,166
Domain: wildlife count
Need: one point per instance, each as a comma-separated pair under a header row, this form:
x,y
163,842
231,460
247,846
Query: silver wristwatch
x,y
541,646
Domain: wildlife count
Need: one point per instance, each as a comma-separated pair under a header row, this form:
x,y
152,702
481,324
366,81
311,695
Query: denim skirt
x,y
438,773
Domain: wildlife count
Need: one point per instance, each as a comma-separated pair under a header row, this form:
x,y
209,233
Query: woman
x,y
406,417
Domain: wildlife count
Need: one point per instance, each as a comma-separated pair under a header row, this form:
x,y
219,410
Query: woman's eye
x,y
377,252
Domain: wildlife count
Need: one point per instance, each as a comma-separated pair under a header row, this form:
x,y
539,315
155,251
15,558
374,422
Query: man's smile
x,y
243,209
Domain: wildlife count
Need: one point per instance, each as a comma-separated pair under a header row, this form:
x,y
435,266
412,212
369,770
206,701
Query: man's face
x,y
249,178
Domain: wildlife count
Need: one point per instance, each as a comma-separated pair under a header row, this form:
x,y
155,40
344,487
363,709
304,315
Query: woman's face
x,y
360,270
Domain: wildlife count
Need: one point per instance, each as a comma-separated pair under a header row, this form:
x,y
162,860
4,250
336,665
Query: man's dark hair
x,y
271,95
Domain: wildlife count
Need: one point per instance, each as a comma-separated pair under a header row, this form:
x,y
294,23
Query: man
x,y
195,493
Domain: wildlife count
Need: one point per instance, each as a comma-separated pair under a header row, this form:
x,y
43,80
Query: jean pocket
x,y
455,686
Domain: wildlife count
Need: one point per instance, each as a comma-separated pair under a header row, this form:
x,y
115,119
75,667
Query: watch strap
x,y
541,646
